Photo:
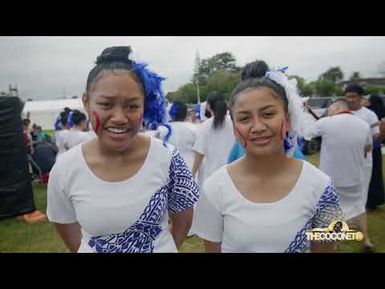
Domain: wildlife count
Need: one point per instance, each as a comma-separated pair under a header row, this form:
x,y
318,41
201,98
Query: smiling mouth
x,y
117,130
260,140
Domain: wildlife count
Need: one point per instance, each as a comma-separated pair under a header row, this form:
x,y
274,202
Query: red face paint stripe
x,y
243,139
280,133
97,121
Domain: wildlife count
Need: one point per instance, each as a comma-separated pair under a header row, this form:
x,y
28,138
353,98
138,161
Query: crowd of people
x,y
43,150
133,176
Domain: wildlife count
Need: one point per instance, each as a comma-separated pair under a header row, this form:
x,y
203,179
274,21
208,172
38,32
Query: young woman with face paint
x,y
255,69
122,191
266,201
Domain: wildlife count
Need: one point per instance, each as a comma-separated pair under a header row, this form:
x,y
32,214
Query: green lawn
x,y
18,236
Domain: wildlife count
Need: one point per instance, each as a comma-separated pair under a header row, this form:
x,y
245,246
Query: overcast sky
x,y
53,67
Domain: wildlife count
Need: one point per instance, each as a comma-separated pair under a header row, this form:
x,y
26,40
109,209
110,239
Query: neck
x,y
265,165
111,154
344,111
78,128
357,108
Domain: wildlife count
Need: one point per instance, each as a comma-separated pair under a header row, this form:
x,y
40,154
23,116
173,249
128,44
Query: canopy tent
x,y
45,112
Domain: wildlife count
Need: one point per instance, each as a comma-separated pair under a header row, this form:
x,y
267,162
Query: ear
x,y
86,102
287,122
236,134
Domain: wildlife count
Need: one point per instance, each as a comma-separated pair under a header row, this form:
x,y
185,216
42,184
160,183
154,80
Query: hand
x,y
382,127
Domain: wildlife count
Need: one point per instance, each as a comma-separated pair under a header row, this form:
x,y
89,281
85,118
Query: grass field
x,y
18,236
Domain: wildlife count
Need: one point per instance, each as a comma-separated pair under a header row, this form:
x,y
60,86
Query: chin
x,y
118,146
264,151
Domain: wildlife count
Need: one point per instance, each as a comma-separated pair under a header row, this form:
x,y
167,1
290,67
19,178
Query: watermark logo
x,y
336,231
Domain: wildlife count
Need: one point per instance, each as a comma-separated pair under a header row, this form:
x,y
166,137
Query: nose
x,y
119,116
258,125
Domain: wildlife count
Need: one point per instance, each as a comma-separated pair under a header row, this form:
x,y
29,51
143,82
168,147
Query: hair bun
x,y
115,54
255,69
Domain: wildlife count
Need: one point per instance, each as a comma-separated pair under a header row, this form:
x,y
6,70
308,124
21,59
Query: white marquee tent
x,y
45,112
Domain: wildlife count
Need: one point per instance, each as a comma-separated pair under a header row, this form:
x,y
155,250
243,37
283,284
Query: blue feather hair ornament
x,y
154,100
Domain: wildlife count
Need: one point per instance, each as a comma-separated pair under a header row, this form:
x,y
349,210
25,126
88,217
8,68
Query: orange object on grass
x,y
33,217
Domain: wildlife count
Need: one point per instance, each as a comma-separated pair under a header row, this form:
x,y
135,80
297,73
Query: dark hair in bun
x,y
111,58
255,69
115,54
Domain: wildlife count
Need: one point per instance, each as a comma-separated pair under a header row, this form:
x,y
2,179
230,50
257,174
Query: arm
x,y
316,128
70,234
212,247
367,148
323,247
180,225
197,163
380,136
313,114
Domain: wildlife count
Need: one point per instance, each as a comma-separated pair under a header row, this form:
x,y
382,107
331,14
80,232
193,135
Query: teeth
x,y
117,130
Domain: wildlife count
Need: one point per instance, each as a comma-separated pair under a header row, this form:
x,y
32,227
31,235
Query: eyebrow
x,y
261,109
133,98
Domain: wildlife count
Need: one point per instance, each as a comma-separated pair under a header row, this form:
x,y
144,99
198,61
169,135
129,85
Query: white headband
x,y
295,107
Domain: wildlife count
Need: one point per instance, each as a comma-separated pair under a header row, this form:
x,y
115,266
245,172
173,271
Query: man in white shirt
x,y
346,141
353,95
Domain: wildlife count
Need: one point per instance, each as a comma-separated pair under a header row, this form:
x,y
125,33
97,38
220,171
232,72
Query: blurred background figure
x,y
183,132
214,139
343,158
27,138
61,131
77,122
376,195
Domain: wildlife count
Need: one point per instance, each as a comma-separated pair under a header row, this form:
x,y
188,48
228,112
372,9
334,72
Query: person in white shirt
x,y
183,133
266,201
61,130
77,129
346,141
122,192
214,139
353,95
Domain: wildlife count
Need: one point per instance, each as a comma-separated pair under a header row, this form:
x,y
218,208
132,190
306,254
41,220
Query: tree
x,y
334,74
222,61
222,81
186,93
308,89
355,76
325,87
196,79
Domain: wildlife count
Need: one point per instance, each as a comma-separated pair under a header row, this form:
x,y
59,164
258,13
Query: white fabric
x,y
214,144
183,138
60,137
342,149
371,118
295,103
224,215
352,201
75,137
116,210
366,182
152,133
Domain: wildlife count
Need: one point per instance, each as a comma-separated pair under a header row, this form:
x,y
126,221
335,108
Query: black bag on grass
x,y
16,197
